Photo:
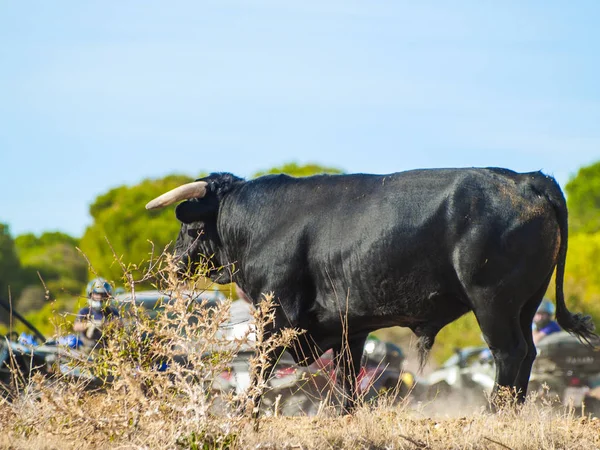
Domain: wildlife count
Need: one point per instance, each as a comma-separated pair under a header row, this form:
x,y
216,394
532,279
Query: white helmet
x,y
98,286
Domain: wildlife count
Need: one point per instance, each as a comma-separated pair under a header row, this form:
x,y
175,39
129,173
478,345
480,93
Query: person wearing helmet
x,y
91,319
543,325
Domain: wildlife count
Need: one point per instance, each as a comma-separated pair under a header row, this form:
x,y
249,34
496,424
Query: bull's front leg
x,y
349,356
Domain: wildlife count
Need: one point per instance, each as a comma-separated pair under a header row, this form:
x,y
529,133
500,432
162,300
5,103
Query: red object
x,y
286,371
227,375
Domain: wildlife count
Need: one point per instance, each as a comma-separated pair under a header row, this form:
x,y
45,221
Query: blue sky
x,y
96,94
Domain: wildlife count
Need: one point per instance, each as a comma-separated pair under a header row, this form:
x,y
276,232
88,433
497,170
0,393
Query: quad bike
x,y
24,355
568,371
382,371
293,390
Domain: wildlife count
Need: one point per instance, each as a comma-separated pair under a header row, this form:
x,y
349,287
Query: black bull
x,y
348,254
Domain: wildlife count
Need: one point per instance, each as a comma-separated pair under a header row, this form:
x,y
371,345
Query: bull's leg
x,y
525,370
502,332
349,357
526,318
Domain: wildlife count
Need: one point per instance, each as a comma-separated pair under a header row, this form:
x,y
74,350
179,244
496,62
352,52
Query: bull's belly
x,y
364,313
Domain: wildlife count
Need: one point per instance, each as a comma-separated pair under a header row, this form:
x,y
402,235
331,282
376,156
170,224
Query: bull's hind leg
x,y
502,332
526,319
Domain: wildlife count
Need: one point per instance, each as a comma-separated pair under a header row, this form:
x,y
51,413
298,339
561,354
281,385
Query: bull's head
x,y
199,238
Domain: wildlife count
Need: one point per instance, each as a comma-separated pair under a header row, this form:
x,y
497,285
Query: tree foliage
x,y
122,227
297,170
583,198
11,281
38,269
53,262
582,278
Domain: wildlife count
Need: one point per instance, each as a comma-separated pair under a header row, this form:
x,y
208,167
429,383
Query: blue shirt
x,y
551,327
87,313
98,315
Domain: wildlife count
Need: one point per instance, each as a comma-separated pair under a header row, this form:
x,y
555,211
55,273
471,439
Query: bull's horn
x,y
197,189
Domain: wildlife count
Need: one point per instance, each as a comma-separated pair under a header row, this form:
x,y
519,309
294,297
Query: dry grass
x,y
42,425
182,408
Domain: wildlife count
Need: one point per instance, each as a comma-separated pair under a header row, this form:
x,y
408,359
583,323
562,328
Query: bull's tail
x,y
577,324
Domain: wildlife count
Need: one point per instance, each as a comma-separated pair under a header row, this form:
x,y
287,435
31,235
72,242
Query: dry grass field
x,y
143,408
103,421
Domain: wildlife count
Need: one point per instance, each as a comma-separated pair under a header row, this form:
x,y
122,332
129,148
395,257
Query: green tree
x,y
582,277
11,274
296,170
583,200
52,263
123,227
32,298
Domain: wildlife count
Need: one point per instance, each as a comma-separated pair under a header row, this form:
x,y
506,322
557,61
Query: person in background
x,y
91,319
543,323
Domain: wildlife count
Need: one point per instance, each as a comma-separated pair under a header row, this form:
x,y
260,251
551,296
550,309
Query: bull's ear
x,y
195,211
